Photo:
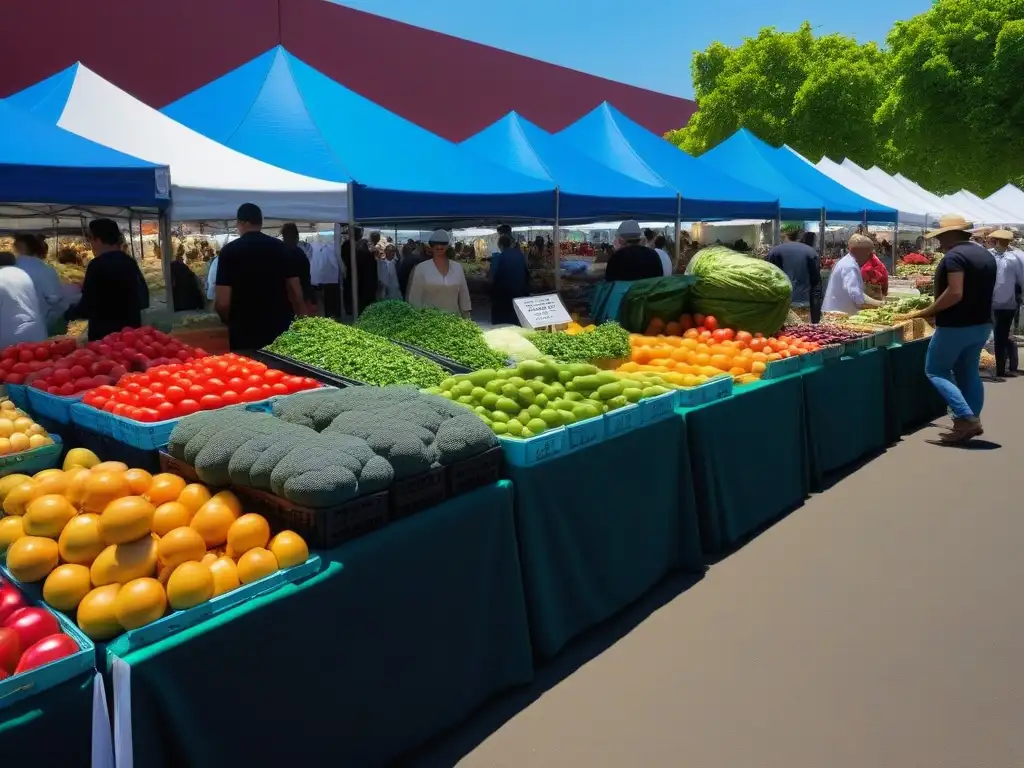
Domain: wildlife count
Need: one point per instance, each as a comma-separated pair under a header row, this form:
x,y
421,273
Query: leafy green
x,y
442,333
742,293
609,341
354,353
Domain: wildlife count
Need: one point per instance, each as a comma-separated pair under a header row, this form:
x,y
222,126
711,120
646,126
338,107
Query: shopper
x,y
366,267
21,316
440,282
300,256
875,273
114,292
258,287
666,261
845,291
800,263
1009,282
964,281
387,274
185,292
31,257
632,260
509,280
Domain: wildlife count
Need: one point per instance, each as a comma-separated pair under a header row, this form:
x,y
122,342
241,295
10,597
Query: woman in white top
x,y
21,319
30,258
440,282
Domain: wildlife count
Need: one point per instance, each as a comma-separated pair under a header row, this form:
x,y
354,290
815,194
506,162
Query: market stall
x,y
53,727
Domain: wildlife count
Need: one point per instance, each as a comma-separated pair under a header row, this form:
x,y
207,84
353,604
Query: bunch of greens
x,y
355,354
442,333
910,304
879,316
609,341
912,270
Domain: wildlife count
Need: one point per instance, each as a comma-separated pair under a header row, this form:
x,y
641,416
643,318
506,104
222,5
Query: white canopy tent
x,y
208,180
878,177
975,209
1009,198
933,200
911,212
1003,216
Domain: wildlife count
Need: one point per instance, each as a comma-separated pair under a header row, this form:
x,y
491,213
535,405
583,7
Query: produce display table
x,y
404,634
52,728
916,401
597,528
762,425
846,409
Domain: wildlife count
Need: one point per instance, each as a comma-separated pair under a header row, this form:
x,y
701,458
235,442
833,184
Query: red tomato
x,y
279,389
237,384
50,648
174,394
230,397
210,402
165,411
698,320
158,386
710,323
154,400
185,407
254,379
32,625
309,383
214,383
719,335
272,375
147,415
252,394
10,649
196,392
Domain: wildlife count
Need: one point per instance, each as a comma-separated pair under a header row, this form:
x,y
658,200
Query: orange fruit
x,y
212,522
126,519
19,497
256,564
248,532
111,466
140,602
96,615
165,487
225,575
757,368
189,585
138,481
179,546
47,515
169,516
193,496
80,541
52,481
289,548
101,488
66,585
229,499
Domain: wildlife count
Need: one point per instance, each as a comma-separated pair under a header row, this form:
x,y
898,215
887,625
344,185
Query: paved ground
x,y
881,625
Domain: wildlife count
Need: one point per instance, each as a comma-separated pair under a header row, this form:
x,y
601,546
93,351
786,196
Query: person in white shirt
x,y
845,291
666,261
440,282
211,280
49,292
387,273
21,318
325,273
1009,282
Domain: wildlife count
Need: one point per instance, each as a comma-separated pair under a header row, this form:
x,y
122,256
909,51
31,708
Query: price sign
x,y
541,311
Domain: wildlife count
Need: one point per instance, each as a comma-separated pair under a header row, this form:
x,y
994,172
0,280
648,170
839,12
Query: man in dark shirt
x,y
366,264
633,260
290,238
964,281
258,287
800,263
114,292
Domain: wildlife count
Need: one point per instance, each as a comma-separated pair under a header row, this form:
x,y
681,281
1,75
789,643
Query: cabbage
x,y
742,292
510,341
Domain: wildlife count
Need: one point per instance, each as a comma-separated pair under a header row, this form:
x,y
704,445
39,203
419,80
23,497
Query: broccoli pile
x,y
434,330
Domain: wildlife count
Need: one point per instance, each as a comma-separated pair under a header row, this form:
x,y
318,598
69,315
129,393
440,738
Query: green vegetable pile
x,y
609,341
431,329
887,315
912,270
355,354
910,304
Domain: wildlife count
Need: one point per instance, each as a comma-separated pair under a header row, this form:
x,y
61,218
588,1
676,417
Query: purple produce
x,y
822,334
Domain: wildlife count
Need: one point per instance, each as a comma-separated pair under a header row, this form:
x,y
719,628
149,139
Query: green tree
x,y
817,94
954,116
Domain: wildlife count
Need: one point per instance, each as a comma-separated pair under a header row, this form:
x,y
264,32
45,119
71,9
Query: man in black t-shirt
x,y
964,281
258,287
633,260
290,238
800,263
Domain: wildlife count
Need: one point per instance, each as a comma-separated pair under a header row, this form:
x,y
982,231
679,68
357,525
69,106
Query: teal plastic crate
x,y
50,406
534,450
18,394
831,353
718,388
856,346
810,360
621,420
884,338
35,460
787,366
19,687
585,433
657,408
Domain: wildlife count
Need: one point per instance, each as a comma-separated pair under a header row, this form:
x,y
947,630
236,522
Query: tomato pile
x,y
29,637
179,389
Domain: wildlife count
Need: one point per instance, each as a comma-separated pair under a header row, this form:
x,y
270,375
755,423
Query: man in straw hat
x,y
964,281
845,291
1009,284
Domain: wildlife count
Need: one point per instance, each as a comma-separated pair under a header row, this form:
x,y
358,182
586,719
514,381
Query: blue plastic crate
x,y
534,450
585,433
18,394
657,408
621,420
787,366
52,407
717,388
91,418
35,460
18,687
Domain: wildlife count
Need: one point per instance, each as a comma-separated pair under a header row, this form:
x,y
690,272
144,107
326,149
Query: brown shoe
x,y
962,431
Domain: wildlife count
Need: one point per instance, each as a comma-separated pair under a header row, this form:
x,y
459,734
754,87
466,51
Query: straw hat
x,y
860,241
1001,234
951,222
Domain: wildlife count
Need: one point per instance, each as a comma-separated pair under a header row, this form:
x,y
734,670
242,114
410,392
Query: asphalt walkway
x,y
880,625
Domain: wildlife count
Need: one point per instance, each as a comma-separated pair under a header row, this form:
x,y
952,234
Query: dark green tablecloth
x,y
847,410
52,728
405,633
748,455
917,402
598,528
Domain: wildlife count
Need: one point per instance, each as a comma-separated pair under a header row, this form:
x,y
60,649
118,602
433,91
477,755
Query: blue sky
x,y
641,42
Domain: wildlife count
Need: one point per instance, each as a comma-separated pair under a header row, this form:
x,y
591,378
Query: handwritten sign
x,y
541,311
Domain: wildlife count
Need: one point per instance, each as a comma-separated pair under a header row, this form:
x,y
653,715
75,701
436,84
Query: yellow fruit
x,y
248,532
230,500
81,457
255,564
20,442
169,516
101,488
193,496
140,602
111,466
22,423
190,584
44,473
31,558
80,541
19,497
5,446
139,481
289,548
126,519
51,481
11,529
121,563
212,521
209,558
66,586
97,615
10,482
163,575
6,427
75,492
165,487
47,515
225,575
37,429
179,546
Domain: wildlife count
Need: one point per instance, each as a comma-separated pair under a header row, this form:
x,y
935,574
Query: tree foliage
x,y
943,103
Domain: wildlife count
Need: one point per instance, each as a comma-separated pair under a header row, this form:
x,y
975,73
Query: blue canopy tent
x,y
47,173
611,138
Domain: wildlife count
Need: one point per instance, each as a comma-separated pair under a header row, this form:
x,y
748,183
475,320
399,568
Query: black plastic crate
x,y
297,368
414,494
476,472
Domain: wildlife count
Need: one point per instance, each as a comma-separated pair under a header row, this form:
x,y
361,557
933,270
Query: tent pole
x,y
165,258
895,243
678,231
352,251
777,228
821,237
557,250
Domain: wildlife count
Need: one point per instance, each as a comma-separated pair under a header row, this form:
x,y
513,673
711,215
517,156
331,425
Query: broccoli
x,y
407,454
421,415
262,469
463,437
357,423
377,475
217,422
326,485
184,431
443,406
352,445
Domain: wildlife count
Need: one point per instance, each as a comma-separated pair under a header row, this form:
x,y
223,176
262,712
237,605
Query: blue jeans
x,y
952,367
